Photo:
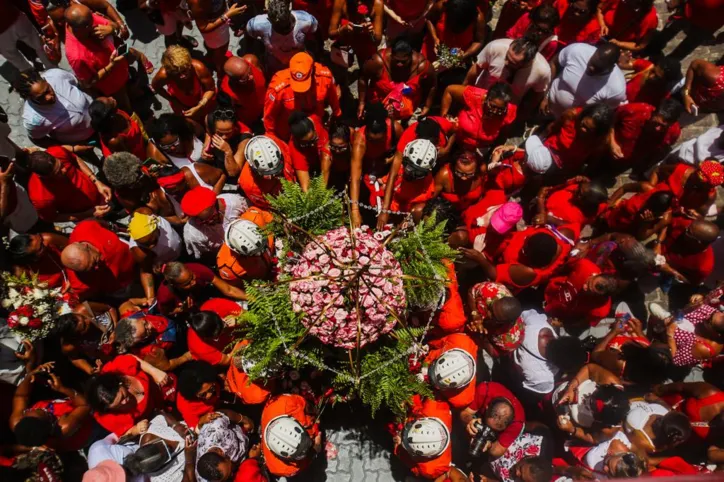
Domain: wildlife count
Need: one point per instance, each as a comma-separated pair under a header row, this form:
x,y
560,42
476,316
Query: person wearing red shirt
x,y
688,250
289,410
306,86
309,148
185,286
62,188
694,188
457,24
209,335
578,22
199,392
512,168
489,221
643,134
39,254
240,264
581,296
510,13
577,202
93,56
149,337
540,25
118,131
496,407
702,402
408,17
266,161
98,262
126,392
579,136
651,83
642,215
451,366
484,116
429,458
461,182
704,87
245,84
628,24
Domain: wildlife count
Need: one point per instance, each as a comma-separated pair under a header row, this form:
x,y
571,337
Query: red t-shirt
x,y
210,351
168,299
310,158
116,269
560,204
636,142
249,104
159,324
695,266
627,25
69,192
119,423
484,394
565,296
88,57
475,130
193,410
222,307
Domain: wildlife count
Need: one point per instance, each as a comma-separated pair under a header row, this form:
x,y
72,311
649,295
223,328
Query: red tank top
x,y
461,201
187,99
709,96
375,152
249,105
379,89
693,407
131,137
569,152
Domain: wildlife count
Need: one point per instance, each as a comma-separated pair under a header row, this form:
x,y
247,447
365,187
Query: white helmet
x,y
426,437
454,369
244,237
264,156
286,438
421,153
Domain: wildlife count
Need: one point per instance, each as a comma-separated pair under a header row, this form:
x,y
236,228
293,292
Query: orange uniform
x,y
256,186
237,269
429,468
452,314
458,398
239,383
281,100
294,406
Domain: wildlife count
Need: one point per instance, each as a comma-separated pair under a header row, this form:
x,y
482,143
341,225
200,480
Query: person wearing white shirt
x,y
537,372
585,75
56,110
205,236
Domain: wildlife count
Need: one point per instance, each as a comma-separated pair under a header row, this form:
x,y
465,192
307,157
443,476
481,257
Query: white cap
x,y
453,369
286,438
244,237
421,153
426,437
538,157
264,156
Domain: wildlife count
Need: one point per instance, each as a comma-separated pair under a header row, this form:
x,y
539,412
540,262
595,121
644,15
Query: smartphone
x,y
122,49
5,162
694,110
21,349
47,29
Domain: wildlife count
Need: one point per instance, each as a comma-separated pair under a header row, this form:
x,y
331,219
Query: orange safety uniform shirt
x,y
239,383
458,398
292,405
281,100
255,186
236,268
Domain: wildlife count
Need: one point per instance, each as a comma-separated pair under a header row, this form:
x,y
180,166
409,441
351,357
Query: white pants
x,y
23,30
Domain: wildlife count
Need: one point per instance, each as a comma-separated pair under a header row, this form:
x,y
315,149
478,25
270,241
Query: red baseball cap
x,y
197,200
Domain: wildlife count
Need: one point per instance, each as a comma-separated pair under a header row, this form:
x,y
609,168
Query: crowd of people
x,y
548,140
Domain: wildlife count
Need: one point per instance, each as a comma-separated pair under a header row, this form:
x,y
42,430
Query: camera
x,y
485,434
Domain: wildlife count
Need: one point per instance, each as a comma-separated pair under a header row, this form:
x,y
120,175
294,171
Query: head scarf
x,y
142,225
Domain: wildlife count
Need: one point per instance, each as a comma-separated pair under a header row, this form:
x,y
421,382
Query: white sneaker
x,y
659,311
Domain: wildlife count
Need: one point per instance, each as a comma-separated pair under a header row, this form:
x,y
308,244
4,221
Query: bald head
x,y
79,257
236,67
78,16
704,231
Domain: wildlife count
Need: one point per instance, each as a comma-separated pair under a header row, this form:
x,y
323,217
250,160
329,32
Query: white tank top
x,y
639,415
538,373
581,412
192,168
188,161
594,458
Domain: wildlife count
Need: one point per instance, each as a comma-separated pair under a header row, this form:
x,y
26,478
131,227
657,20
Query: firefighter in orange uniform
x,y
245,254
451,367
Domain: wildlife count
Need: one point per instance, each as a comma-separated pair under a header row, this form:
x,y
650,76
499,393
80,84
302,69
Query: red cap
x,y
300,71
170,182
198,199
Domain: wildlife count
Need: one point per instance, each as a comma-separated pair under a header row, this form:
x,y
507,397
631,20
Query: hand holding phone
x,y
122,50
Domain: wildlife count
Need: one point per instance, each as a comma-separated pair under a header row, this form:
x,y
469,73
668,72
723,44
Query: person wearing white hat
x,y
410,182
266,161
451,368
245,254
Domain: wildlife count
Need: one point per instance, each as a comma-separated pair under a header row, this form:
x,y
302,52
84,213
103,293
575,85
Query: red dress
x,y
627,25
560,204
460,40
566,298
474,130
406,194
186,99
477,217
119,423
685,198
508,176
637,90
132,138
569,151
461,201
193,410
511,256
570,30
249,105
695,266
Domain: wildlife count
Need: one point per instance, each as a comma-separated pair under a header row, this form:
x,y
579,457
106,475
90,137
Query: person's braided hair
x,y
25,82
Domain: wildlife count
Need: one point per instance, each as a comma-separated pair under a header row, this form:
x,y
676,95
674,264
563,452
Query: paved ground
x,y
358,450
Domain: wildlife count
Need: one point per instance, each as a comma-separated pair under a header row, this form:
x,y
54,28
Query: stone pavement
x,y
358,451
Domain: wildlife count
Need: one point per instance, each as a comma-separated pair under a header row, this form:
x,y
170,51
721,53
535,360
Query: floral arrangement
x,y
34,306
337,265
340,301
448,58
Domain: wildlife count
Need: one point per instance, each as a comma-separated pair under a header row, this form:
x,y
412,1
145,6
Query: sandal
x,y
147,65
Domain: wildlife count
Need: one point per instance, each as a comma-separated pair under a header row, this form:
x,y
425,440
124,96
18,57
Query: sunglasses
x,y
464,175
225,114
494,111
335,148
310,143
173,145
